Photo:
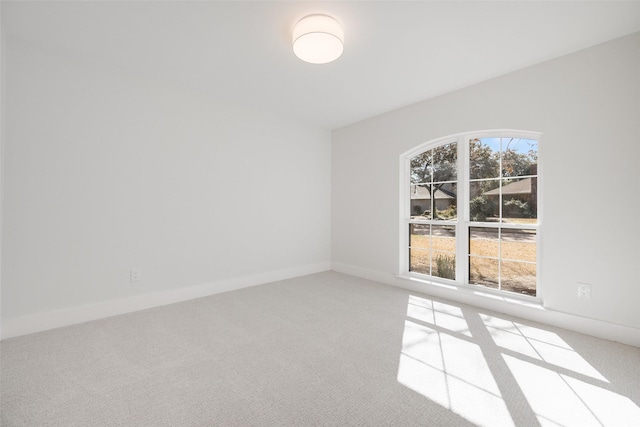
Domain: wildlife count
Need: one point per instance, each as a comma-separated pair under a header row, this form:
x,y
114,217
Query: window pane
x,y
443,265
445,200
419,236
483,271
518,277
445,160
519,245
519,157
484,199
443,238
420,201
419,260
484,158
421,168
520,200
483,241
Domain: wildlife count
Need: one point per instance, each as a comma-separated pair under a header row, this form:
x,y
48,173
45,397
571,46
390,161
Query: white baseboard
x,y
530,311
69,316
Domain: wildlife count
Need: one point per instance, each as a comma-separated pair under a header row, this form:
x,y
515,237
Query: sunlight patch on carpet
x,y
493,371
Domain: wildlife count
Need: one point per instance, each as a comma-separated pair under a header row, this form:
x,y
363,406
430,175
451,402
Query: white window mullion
x,y
462,228
500,257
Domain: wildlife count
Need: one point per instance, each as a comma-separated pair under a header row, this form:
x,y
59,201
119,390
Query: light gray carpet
x,y
324,349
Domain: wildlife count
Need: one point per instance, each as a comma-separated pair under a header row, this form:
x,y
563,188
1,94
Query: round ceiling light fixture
x,y
318,39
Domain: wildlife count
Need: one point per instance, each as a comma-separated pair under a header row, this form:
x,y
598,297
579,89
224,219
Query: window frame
x,y
463,222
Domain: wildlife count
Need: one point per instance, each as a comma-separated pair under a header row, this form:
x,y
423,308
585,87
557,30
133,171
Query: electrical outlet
x,y
135,275
584,291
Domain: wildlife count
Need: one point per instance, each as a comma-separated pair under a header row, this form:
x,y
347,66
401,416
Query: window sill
x,y
476,291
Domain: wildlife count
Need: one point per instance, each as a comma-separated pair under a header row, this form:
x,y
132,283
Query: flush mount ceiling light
x,y
318,39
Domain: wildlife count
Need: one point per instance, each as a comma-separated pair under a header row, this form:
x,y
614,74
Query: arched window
x,y
469,211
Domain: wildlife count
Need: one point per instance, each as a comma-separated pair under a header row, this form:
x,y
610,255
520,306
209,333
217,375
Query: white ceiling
x,y
396,53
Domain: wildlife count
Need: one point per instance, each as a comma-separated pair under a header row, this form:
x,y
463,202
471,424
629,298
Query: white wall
x,y
104,172
588,107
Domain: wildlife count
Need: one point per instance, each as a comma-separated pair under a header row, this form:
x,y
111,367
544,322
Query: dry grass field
x,y
517,249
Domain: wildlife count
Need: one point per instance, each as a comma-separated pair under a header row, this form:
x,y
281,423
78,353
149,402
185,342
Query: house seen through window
x,y
472,211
